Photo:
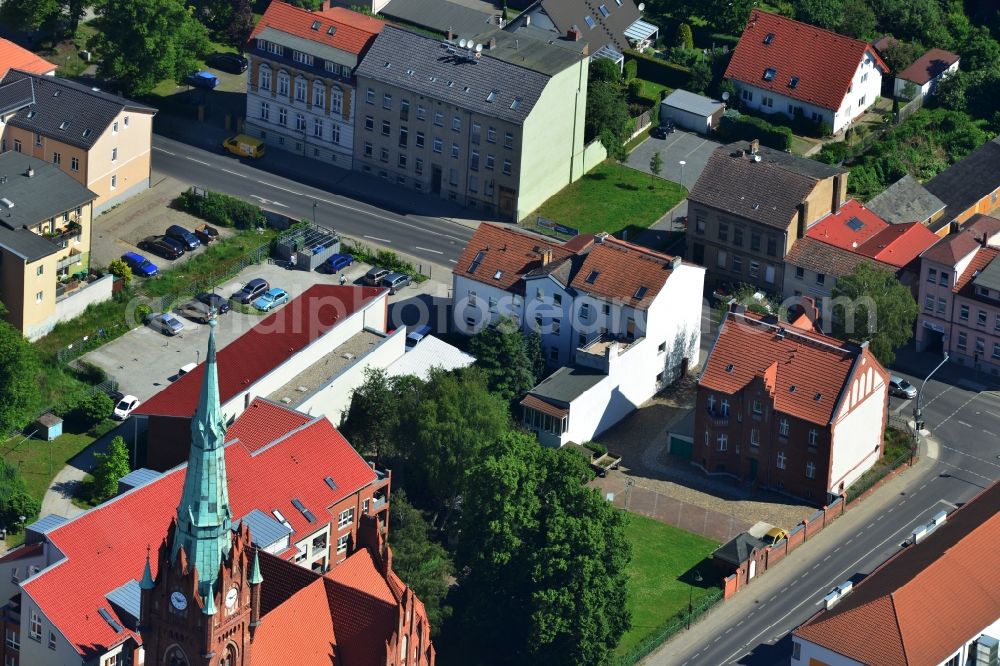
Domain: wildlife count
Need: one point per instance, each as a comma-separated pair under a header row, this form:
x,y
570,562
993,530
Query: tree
x,y
826,14
980,51
503,352
93,408
142,42
900,55
607,110
371,421
877,307
120,269
603,69
19,371
701,76
656,164
30,15
729,16
631,70
544,552
685,39
110,467
240,25
858,21
15,500
424,564
952,91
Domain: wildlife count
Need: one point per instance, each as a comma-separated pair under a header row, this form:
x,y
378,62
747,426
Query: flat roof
x,y
567,383
692,102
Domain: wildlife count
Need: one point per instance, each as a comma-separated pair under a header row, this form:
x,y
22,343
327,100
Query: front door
x,y
436,179
753,469
506,202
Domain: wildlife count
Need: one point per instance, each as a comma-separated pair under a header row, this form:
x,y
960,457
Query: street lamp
x,y
918,410
682,163
315,204
629,482
697,579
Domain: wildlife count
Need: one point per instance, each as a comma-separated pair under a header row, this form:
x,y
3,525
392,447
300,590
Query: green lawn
x,y
653,90
612,198
663,558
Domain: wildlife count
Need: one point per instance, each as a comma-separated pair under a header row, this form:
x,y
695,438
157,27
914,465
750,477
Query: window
x,y
300,90
17,145
383,154
336,100
438,145
114,154
386,128
810,470
318,127
767,101
265,111
981,317
943,278
345,518
813,436
335,135
304,58
723,441
723,231
800,272
747,95
980,347
605,12
962,340
488,188
418,166
439,119
490,161
40,269
783,427
386,101
756,407
113,660
370,96
56,158
454,150
556,326
929,303
404,109
265,78
932,275
963,313
300,122
401,161
453,176
754,269
74,164
282,116
52,640
996,350
738,235
590,21
721,258
369,123
723,406
508,140
283,84
491,134
780,460
35,627
474,160
368,148
456,124
772,246
755,241
755,437
996,323
420,140
737,264
114,181
403,137
506,167
861,102
421,112
125,120
13,638
342,543
940,306
319,95
476,132
820,278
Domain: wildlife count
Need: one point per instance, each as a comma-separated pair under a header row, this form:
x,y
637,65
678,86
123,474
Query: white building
x,y
925,73
793,68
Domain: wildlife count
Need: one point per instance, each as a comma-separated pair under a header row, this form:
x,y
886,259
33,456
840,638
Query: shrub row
x,y
222,209
747,128
660,71
382,258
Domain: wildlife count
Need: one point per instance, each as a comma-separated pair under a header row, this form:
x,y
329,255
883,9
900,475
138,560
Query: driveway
x,y
691,148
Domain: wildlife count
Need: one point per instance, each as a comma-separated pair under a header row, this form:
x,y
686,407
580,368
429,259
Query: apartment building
x,y
462,122
45,232
103,141
750,205
783,406
300,79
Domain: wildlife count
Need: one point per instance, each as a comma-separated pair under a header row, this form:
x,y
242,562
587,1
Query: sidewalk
x,y
920,364
59,497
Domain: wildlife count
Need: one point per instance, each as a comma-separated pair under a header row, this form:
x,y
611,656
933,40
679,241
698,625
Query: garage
x,y
692,112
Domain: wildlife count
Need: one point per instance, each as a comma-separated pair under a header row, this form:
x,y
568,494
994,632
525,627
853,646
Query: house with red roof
x,y
308,355
959,296
933,603
785,66
783,406
13,56
215,560
301,90
925,73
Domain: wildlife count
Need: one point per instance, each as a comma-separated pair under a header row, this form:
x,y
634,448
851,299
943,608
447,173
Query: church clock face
x,y
178,601
231,598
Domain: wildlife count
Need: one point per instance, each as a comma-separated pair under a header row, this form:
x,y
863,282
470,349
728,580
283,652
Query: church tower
x,y
204,604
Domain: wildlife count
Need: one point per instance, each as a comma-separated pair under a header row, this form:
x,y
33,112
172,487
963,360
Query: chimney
x,y
493,43
30,173
754,146
985,239
675,262
527,20
546,256
573,35
600,237
837,187
451,35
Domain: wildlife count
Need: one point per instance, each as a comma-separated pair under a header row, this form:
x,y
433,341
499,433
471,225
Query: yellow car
x,y
774,535
244,146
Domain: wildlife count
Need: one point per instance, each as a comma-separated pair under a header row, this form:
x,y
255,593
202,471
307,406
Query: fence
x,y
82,345
670,628
909,108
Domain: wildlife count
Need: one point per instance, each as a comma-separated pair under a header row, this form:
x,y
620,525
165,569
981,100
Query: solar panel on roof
x,y
305,512
855,224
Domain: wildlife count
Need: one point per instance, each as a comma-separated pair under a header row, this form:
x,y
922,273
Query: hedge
x,y
222,209
660,71
748,128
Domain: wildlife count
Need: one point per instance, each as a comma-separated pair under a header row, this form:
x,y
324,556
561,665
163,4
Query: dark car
x,y
216,301
227,62
206,234
663,130
374,276
159,246
338,262
251,291
205,80
179,233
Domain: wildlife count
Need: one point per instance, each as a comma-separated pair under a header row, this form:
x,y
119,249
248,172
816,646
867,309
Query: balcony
x,y
72,259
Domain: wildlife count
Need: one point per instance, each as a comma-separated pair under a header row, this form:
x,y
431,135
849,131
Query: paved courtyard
x,y
693,149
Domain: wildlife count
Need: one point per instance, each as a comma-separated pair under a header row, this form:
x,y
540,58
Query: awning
x,y
539,405
608,52
640,31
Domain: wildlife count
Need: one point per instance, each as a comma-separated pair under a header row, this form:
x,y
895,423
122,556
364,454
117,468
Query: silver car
x,y
195,310
165,323
901,388
396,281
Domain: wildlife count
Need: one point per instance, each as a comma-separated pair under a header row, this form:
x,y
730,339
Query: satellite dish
x,y
479,48
725,96
642,6
461,43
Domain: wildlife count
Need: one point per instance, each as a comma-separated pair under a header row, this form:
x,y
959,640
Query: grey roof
x,y
264,529
904,201
138,477
964,183
45,194
566,384
610,29
62,103
436,69
440,15
427,354
989,277
15,94
692,103
766,191
737,550
127,599
46,524
547,54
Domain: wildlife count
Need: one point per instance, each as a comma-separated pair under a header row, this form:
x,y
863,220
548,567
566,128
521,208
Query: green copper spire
x,y
255,577
209,608
203,516
147,582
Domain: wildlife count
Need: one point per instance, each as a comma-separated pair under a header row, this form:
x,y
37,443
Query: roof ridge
x,y
288,434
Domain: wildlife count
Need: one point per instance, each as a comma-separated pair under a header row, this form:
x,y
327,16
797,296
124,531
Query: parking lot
x,y
693,149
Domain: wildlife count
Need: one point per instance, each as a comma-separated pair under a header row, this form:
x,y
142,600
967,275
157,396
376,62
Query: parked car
x,y
774,535
195,310
663,130
205,233
205,80
216,301
272,299
227,62
140,265
160,247
165,323
245,146
337,262
416,335
251,291
125,406
396,281
179,233
901,388
374,276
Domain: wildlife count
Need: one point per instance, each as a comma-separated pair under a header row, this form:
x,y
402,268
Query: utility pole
x,y
918,410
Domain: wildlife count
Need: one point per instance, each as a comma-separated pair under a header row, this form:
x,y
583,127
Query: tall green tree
x,y
15,500
30,15
858,20
110,467
701,76
422,563
19,370
545,553
607,110
143,42
875,306
684,39
240,25
371,422
508,357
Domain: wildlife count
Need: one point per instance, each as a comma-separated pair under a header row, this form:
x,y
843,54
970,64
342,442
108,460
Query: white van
x,y
185,369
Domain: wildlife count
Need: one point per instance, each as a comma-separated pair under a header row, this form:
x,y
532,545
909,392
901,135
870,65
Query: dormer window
x,y
770,73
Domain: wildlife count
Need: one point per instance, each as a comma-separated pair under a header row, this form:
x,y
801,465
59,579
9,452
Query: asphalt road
x,y
436,240
753,628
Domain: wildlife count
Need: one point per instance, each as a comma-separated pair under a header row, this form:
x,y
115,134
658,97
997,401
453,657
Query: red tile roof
x,y
302,623
953,247
539,405
624,271
899,244
984,257
13,56
365,612
506,256
354,32
107,545
266,346
928,66
925,602
263,422
813,363
848,228
824,61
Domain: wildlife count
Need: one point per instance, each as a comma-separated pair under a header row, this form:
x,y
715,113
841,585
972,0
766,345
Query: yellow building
x,y
102,141
45,232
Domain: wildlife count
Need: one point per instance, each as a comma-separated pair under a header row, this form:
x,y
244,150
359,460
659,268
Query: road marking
x,y
264,202
453,261
234,173
964,405
826,558
427,249
992,434
381,240
964,423
197,161
849,541
166,151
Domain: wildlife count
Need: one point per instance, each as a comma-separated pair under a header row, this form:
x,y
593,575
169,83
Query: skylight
x,y
492,96
604,10
315,25
280,518
55,93
855,224
640,292
330,482
817,397
793,82
475,262
770,73
729,367
31,114
110,620
592,278
590,21
86,133
498,275
305,512
64,125
769,38
332,29
791,389
516,103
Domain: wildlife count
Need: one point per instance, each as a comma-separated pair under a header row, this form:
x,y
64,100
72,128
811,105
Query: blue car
x,y
338,262
271,299
140,265
205,80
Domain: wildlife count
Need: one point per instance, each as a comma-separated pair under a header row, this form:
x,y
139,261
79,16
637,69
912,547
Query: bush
x,y
222,209
92,409
660,71
141,312
739,127
634,88
598,448
631,70
384,258
120,269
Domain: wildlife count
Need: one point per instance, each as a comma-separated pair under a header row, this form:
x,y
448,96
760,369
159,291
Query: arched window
x,y
174,656
229,659
336,100
402,649
283,84
319,95
265,77
300,89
